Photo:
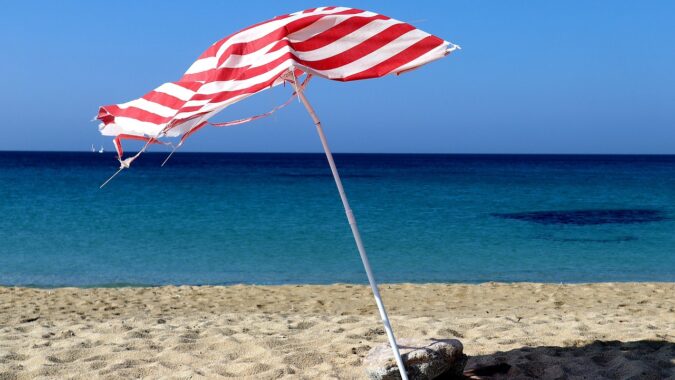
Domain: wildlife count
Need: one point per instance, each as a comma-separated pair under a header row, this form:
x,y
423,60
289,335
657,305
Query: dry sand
x,y
611,330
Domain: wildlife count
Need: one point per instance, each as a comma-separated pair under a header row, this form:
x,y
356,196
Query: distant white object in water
x,y
101,150
92,148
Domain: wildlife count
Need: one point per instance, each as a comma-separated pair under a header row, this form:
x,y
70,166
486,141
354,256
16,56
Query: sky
x,y
572,76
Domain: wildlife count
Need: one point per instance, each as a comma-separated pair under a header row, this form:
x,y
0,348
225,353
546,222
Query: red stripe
x,y
190,85
108,113
226,95
278,45
252,46
322,39
135,137
194,82
361,50
343,58
366,47
297,73
213,49
118,147
192,108
104,115
163,99
346,57
335,33
249,47
137,114
240,73
414,51
146,116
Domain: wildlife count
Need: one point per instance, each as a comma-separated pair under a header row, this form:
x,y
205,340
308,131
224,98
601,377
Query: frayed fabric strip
x,y
238,121
125,163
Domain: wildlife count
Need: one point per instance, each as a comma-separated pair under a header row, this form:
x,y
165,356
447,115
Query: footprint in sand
x,y
13,356
66,357
304,325
448,332
303,359
348,320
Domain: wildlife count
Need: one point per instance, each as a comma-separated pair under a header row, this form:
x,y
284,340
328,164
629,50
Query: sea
x,y
231,218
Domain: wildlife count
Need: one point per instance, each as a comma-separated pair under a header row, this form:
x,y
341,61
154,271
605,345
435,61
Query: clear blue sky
x,y
533,77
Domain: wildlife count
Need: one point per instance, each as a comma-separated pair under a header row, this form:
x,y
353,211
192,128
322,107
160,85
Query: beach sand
x,y
587,331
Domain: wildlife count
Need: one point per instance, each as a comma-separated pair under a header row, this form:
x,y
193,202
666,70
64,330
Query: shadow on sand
x,y
644,360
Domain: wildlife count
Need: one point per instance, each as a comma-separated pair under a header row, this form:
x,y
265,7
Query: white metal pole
x,y
355,232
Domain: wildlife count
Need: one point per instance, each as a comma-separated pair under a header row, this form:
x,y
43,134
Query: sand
x,y
596,331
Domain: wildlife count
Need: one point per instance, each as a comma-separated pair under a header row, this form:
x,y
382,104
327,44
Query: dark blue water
x,y
277,218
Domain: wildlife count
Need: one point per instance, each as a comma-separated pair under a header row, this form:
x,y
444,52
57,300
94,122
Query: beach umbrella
x,y
337,43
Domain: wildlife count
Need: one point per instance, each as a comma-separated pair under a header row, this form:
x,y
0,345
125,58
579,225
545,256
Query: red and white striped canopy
x,y
332,42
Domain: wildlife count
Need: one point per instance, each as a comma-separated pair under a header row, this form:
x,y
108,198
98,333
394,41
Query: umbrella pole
x,y
355,232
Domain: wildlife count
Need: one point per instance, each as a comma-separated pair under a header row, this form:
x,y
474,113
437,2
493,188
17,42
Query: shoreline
x,y
597,330
277,285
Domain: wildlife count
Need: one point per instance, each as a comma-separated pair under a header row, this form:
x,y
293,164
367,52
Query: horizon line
x,y
365,153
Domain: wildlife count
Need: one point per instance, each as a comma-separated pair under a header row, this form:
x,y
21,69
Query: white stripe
x,y
382,54
202,64
324,24
264,29
176,91
213,108
349,41
233,85
252,34
258,58
210,88
193,103
131,126
364,63
149,106
216,107
262,57
432,55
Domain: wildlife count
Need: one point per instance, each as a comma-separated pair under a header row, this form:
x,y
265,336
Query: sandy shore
x,y
612,330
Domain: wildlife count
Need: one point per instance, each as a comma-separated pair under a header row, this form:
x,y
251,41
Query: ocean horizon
x,y
276,218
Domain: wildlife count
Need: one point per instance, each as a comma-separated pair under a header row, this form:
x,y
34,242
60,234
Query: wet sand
x,y
586,331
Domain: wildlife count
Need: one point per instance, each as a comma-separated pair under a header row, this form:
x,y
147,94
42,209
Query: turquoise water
x,y
277,218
